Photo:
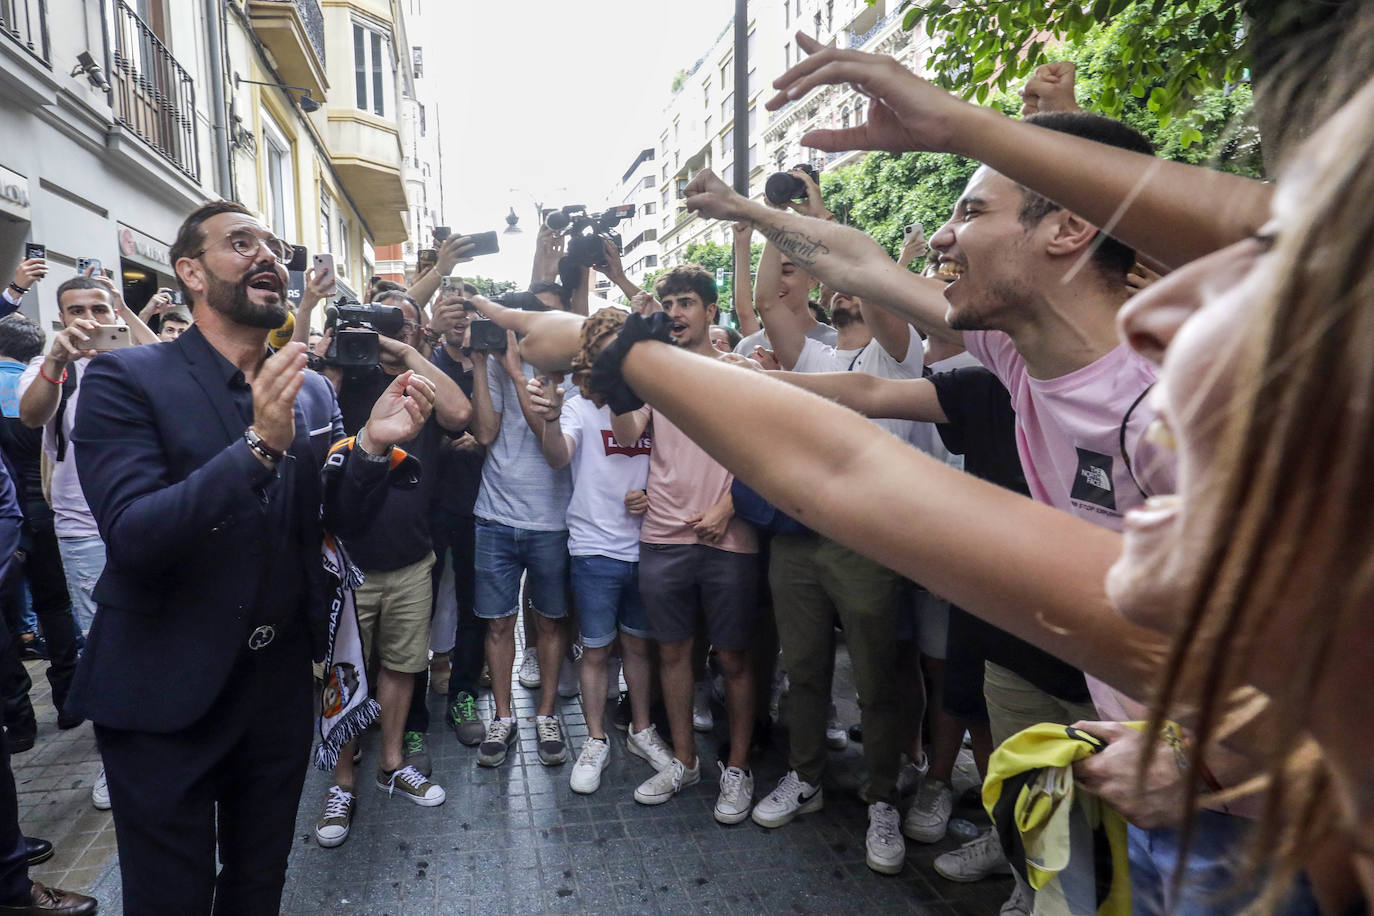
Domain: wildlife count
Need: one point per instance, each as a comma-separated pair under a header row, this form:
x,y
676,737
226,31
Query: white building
x,y
638,235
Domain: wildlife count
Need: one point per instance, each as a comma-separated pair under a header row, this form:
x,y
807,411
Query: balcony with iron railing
x,y
152,95
26,23
293,30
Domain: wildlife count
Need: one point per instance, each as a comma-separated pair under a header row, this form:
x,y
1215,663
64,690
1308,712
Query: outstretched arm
x,y
743,285
875,398
1169,210
840,257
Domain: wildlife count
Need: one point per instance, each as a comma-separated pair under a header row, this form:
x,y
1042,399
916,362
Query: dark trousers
x,y
455,538
14,869
42,570
239,769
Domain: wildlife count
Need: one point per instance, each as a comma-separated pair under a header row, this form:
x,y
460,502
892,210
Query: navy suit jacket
x,y
188,515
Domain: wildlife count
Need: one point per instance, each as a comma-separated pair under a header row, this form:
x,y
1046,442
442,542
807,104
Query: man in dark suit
x,y
201,461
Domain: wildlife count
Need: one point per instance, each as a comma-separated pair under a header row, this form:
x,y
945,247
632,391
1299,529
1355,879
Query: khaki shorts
x,y
394,607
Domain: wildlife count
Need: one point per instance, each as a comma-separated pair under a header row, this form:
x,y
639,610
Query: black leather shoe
x,y
50,900
67,721
21,743
36,850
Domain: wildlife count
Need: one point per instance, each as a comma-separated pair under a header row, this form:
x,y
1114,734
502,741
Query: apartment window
x,y
818,25
798,9
647,209
751,55
651,260
326,221
665,199
341,262
422,119
675,129
829,14
753,120
648,181
753,156
706,127
417,61
844,119
727,174
727,143
706,94
787,55
786,15
727,108
371,68
281,208
753,83
726,74
664,141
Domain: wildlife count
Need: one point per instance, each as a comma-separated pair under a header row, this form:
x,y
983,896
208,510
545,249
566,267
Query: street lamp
x,y
511,220
308,104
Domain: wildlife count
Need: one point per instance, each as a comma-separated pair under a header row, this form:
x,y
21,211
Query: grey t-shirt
x,y
821,333
519,488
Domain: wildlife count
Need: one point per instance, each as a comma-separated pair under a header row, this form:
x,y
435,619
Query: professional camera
x,y
784,186
587,231
356,328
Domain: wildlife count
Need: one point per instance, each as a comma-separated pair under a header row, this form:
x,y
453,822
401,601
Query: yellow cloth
x,y
1029,794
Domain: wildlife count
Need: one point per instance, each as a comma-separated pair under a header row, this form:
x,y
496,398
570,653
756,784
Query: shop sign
x,y
14,193
134,244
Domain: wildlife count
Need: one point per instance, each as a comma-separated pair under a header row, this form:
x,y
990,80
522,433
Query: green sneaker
x,y
414,753
464,720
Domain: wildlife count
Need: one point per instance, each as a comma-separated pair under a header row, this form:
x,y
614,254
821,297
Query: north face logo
x,y
1093,482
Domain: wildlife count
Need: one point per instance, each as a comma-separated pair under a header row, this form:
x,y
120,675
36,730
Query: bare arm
x,y
876,398
787,325
840,257
1169,210
629,427
743,285
582,296
547,401
486,422
317,286
450,253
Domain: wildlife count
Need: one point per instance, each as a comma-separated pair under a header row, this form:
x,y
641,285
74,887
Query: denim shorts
x,y
606,591
502,554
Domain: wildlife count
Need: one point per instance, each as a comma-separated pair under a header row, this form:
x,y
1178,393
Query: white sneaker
x,y
667,782
529,670
1019,903
836,737
649,745
569,680
928,817
586,772
790,798
736,794
975,860
911,773
886,849
100,792
702,720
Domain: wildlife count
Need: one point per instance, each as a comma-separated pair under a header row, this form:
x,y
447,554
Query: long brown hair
x,y
1289,496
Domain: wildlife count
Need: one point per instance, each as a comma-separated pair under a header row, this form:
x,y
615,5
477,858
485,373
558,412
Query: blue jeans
x,y
502,553
1215,860
83,560
606,591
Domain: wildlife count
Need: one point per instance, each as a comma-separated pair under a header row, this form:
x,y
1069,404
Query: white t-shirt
x,y
71,516
603,471
821,333
873,360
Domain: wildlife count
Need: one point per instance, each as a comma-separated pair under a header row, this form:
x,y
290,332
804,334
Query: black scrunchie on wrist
x,y
606,377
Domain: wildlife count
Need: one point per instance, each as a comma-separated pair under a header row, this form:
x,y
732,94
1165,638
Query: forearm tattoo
x,y
798,246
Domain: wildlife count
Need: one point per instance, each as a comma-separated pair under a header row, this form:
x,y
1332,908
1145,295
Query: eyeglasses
x,y
246,245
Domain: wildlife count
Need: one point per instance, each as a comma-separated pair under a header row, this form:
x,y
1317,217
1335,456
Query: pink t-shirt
x,y
684,482
1068,434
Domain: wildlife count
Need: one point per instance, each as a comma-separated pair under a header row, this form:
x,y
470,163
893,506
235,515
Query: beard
x,y
1000,299
231,300
843,318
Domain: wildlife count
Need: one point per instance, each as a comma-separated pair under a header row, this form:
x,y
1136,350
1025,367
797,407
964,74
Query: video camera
x,y
356,329
488,336
586,232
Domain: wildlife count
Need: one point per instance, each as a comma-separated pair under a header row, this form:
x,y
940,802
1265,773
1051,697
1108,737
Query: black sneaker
x,y
622,717
464,720
856,733
501,736
553,750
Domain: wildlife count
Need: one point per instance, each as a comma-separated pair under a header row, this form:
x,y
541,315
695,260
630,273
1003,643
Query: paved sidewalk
x,y
518,840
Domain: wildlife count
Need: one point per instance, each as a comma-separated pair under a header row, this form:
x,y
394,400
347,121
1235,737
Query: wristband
x,y
55,381
259,447
605,376
21,290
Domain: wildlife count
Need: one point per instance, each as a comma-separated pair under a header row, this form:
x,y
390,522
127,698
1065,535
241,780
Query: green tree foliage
x,y
490,288
1166,53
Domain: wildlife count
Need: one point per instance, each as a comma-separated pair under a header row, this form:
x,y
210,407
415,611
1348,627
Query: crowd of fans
x,y
1132,581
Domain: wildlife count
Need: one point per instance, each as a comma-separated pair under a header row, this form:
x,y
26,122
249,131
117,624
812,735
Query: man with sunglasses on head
x,y
201,460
